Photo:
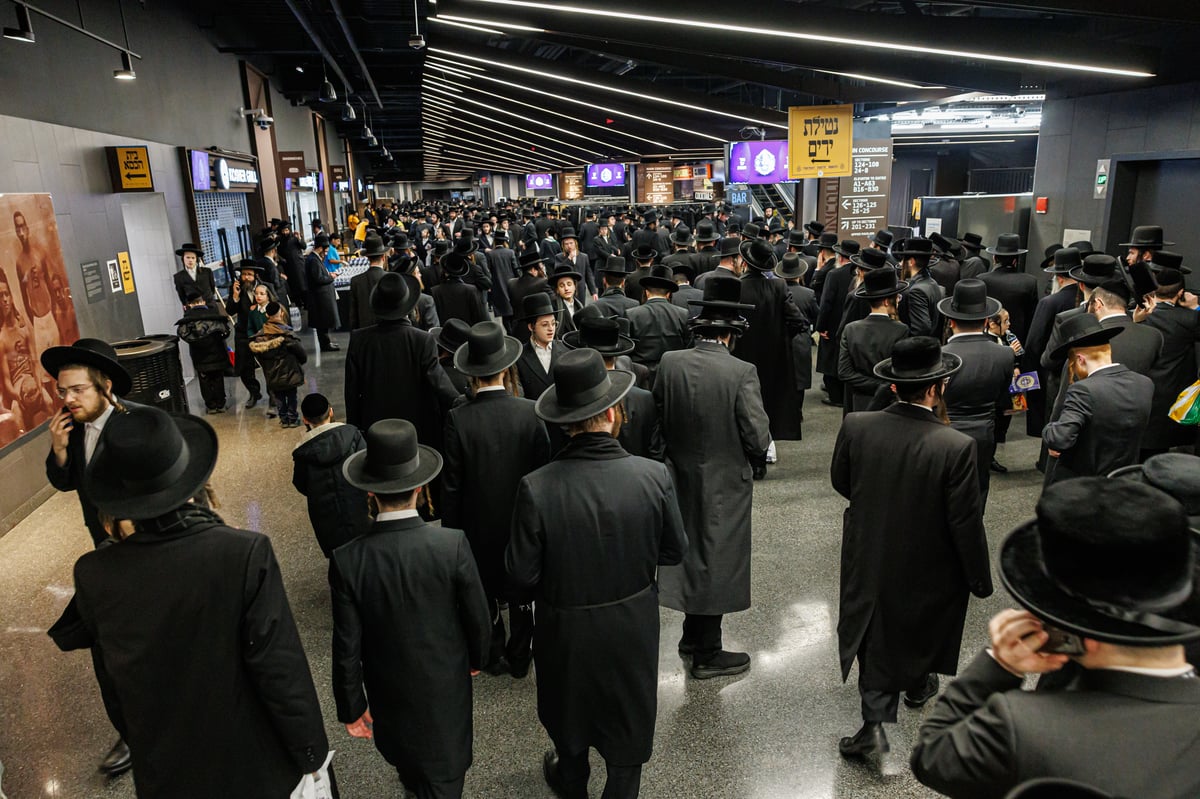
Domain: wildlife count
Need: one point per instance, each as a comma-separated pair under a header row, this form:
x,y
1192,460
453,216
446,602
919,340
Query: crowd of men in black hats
x,y
583,403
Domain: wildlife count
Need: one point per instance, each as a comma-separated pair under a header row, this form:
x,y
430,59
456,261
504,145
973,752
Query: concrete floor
x,y
769,734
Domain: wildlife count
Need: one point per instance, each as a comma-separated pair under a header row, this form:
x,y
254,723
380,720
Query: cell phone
x,y
1061,642
71,420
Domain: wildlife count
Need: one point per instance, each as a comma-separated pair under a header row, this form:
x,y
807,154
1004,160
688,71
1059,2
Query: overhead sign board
x,y
863,204
656,184
129,168
572,185
820,140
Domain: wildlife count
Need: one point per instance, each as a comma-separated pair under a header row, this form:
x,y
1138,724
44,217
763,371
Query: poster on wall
x,y
36,311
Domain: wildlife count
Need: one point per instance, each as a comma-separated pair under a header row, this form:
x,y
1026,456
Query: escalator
x,y
770,195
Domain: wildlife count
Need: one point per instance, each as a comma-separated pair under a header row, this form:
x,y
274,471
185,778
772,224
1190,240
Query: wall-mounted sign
x,y
599,175
539,181
201,171
863,204
129,168
656,183
820,140
93,281
126,272
683,173
758,161
737,195
114,276
291,163
572,185
212,172
337,173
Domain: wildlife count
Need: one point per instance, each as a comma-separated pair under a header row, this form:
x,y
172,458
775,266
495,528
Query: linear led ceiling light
x,y
474,22
459,113
489,149
476,28
439,60
821,38
571,159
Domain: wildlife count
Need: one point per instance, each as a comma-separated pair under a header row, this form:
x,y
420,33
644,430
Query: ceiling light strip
x,y
571,160
459,113
489,148
475,28
492,22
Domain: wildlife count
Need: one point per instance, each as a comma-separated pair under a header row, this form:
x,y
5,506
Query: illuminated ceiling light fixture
x,y
328,95
616,90
126,71
348,114
493,23
454,64
24,30
458,120
821,38
875,79
497,150
476,28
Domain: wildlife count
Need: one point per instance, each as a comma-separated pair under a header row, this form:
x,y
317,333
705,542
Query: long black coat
x,y
1176,367
918,306
458,300
392,372
1048,308
291,253
361,286
203,283
658,327
193,624
713,423
767,344
865,343
641,432
492,441
1017,292
833,303
802,343
502,262
913,544
321,298
336,509
614,302
588,531
534,379
974,392
410,621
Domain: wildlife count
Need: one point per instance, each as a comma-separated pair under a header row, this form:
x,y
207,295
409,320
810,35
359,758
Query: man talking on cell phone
x,y
1107,574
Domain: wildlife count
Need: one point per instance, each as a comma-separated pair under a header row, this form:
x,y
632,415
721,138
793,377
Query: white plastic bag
x,y
315,786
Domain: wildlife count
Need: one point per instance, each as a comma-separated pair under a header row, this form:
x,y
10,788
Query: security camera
x,y
263,121
416,41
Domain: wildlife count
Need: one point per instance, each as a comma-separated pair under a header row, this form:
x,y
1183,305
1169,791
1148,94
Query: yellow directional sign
x,y
126,272
820,141
130,168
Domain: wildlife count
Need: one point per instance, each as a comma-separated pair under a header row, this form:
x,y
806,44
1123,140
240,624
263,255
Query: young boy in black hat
x,y
280,354
205,331
336,509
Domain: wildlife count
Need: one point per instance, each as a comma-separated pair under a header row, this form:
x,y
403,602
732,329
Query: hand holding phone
x,y
1061,642
1017,638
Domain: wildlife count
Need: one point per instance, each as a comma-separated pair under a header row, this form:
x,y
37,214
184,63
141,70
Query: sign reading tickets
x,y
129,168
820,140
126,272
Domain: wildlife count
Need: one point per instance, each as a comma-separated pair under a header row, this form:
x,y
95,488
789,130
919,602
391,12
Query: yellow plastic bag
x,y
1186,409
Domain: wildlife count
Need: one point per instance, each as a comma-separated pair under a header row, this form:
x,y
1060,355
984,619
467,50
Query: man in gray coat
x,y
715,427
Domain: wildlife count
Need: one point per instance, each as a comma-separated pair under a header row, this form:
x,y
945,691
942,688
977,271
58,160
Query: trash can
x,y
153,365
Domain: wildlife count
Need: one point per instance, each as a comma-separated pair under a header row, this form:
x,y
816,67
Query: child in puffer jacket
x,y
280,353
205,330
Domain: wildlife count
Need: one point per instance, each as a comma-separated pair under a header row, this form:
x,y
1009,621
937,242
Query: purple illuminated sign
x,y
201,177
539,180
605,175
758,161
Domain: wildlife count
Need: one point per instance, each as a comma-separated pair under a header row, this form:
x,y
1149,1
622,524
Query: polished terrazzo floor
x,y
770,734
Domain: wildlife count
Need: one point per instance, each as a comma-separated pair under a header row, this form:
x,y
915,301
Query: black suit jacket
x,y
682,297
946,272
614,302
658,327
203,283
458,300
865,343
361,286
1175,371
833,302
976,391
534,379
918,306
641,432
1017,292
1132,734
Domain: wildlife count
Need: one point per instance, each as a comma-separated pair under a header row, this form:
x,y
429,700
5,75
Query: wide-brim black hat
x,y
605,339
870,259
538,304
880,283
1078,331
815,228
1007,244
847,248
457,265
265,246
969,302
792,266
661,277
450,336
373,246
758,255
583,388
1054,788
487,351
189,247
89,352
393,462
903,249
929,362
643,253
121,482
1096,269
394,298
1147,237
1062,261
1173,473
706,233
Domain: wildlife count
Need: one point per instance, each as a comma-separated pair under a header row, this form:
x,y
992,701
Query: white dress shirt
x,y
91,433
393,515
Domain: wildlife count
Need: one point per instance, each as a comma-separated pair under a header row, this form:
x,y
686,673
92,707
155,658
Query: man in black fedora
x,y
857,307
1107,576
716,433
1065,296
237,305
532,280
728,262
833,303
644,256
542,348
911,557
392,369
1180,329
918,303
650,238
578,260
658,325
453,297
685,292
266,254
589,530
792,268
946,270
361,285
613,300
253,719
1144,243
826,261
812,233
566,283
321,296
503,265
194,274
1106,406
493,427
869,340
640,431
402,669
1016,289
974,264
981,385
449,337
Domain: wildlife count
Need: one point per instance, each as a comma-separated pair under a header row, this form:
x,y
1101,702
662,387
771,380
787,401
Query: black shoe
x,y
828,401
550,772
867,742
759,471
720,664
254,400
998,467
518,669
330,347
915,699
497,667
118,760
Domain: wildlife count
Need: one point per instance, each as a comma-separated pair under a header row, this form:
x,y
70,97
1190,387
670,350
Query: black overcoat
x,y
458,300
321,298
913,544
410,621
361,286
588,531
802,343
658,327
641,432
975,391
614,302
1180,328
1048,308
833,303
1017,292
203,283
863,344
767,344
336,509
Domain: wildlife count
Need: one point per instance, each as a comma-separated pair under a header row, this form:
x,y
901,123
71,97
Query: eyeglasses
x,y
78,391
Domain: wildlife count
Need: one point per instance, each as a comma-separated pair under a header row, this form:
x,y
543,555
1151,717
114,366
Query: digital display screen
x,y
758,161
599,175
539,180
201,176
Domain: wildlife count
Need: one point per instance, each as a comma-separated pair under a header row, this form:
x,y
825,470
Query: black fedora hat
x,y
917,360
583,387
706,232
1172,473
972,241
1007,244
394,296
792,266
797,238
457,264
883,238
730,246
1063,260
1085,247
945,245
681,236
643,252
487,351
880,282
827,241
563,269
265,245
1054,788
661,277
319,241
614,265
451,335
373,246
539,303
500,235
189,247
1049,259
870,259
568,233
1147,237
440,248
1095,270
680,264
1168,260
814,227
465,244
399,242
1110,560
848,248
751,231
1083,330
721,306
603,334
89,352
530,259
914,247
1168,277
149,462
247,265
393,462
759,255
970,302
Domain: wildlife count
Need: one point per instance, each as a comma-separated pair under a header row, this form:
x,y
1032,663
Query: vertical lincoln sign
x,y
820,138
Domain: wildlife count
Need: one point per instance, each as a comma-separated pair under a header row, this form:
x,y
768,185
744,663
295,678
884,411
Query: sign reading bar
x,y
656,184
863,207
572,185
819,141
129,168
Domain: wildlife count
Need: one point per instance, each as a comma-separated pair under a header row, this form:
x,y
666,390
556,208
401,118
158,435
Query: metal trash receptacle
x,y
157,373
